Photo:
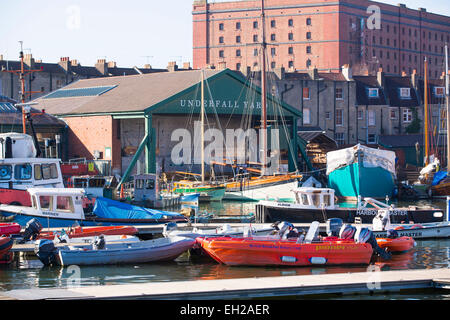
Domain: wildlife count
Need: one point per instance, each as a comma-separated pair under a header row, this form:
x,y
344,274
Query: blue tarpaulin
x,y
438,177
107,208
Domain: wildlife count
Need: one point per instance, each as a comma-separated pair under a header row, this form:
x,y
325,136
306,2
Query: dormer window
x,y
373,93
439,91
405,93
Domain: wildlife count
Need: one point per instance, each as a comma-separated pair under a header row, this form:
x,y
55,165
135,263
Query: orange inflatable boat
x,y
401,244
260,251
9,228
80,232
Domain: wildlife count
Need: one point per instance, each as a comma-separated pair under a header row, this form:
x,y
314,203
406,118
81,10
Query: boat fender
x,y
46,252
318,260
32,230
288,259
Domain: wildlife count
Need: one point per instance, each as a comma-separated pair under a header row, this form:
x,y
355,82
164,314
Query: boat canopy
x,y
371,158
107,208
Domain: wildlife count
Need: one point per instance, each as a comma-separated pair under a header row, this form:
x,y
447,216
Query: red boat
x,y
401,244
5,246
7,229
80,232
266,251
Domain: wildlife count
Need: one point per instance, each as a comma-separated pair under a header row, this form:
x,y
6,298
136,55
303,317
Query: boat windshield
x,y
46,202
5,172
64,204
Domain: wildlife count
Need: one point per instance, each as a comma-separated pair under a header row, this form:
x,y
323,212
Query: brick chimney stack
x,y
112,64
414,78
313,73
380,77
187,65
29,60
64,62
172,66
102,66
347,72
74,63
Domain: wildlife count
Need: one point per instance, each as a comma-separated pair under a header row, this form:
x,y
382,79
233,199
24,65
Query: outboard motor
x,y
347,232
32,230
99,243
365,235
169,227
46,252
333,226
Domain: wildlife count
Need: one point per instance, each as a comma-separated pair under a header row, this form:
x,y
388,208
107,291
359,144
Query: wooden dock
x,y
370,282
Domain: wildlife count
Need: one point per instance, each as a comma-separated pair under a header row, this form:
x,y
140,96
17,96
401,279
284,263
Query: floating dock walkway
x,y
251,288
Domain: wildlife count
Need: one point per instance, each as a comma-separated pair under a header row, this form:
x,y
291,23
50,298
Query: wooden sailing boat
x,y
264,186
208,192
442,189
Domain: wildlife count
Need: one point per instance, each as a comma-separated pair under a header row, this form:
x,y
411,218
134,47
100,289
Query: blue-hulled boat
x,y
63,207
361,171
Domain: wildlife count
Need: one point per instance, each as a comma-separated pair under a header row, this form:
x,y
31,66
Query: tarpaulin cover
x,y
107,208
438,177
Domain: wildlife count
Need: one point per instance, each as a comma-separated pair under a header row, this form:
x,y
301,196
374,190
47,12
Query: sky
x,y
131,33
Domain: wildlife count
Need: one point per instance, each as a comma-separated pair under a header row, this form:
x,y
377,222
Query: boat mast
x,y
203,129
263,92
446,102
425,89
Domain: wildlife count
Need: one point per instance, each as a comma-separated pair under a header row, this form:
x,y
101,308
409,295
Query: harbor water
x,y
28,272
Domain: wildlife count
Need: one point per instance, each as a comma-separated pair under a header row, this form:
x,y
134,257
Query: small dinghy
x,y
396,244
5,246
7,229
101,253
297,251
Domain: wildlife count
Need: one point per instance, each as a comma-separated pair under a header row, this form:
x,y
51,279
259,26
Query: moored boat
x,y
84,232
396,245
5,246
10,228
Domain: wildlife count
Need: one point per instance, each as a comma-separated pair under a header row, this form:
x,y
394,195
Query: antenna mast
x,y
263,93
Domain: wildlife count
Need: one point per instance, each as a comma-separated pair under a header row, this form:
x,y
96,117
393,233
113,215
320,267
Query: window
x,y
372,93
360,114
407,115
338,94
308,21
255,24
306,116
221,27
393,114
308,35
238,39
238,53
238,25
49,171
328,115
308,63
290,23
149,184
238,66
339,117
339,138
46,202
272,37
371,115
255,52
308,49
22,171
37,172
255,38
5,172
273,64
272,51
272,24
64,204
290,64
290,50
439,91
220,39
290,36
372,138
405,93
221,55
305,94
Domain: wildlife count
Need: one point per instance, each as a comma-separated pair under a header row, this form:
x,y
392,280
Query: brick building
x,y
303,34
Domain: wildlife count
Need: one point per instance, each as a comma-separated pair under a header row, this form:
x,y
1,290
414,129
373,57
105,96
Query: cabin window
x,y
5,172
45,202
305,199
37,172
149,184
96,183
64,204
315,200
22,171
79,183
327,200
139,184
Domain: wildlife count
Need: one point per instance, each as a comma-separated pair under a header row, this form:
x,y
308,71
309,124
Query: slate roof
x,y
432,98
393,85
400,140
363,83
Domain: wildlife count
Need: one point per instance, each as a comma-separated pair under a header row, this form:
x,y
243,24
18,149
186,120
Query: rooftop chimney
x,y
347,72
147,66
404,73
102,66
112,64
380,77
313,73
172,66
187,65
74,63
28,60
279,72
64,63
1,57
414,78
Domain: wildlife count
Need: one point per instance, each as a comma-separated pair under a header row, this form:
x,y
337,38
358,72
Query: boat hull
x,y
275,191
422,231
162,249
354,179
206,193
280,211
254,252
401,244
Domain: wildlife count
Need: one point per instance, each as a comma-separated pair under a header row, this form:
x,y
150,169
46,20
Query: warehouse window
x,y
308,21
306,116
339,117
407,115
